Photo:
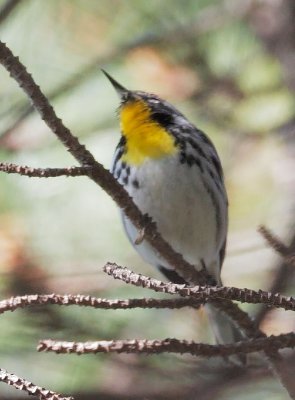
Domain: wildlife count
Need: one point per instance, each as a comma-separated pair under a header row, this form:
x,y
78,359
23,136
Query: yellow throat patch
x,y
145,138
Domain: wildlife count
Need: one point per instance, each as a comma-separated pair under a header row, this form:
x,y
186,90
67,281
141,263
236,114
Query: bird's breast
x,y
175,196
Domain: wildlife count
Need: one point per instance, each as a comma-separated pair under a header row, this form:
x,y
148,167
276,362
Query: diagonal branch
x,y
286,252
31,172
273,241
89,301
143,346
29,387
7,9
283,275
98,173
201,293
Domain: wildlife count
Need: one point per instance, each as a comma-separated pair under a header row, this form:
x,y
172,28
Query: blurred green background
x,y
227,65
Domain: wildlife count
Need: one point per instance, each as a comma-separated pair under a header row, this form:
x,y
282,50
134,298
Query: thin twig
x,y
139,346
282,278
31,172
274,241
29,387
7,9
239,317
201,293
89,301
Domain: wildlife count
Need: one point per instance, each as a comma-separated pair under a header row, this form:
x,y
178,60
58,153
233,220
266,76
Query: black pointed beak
x,y
119,88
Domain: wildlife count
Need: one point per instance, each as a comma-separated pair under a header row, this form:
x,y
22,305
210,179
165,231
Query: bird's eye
x,y
162,118
125,97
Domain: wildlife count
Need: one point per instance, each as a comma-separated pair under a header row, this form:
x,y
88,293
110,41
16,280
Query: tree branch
x,y
7,8
139,346
276,244
282,278
31,172
201,293
29,387
89,301
273,241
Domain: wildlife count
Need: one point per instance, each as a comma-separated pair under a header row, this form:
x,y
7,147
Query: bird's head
x,y
146,123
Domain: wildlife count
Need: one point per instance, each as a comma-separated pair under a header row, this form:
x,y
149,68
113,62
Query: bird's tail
x,y
225,330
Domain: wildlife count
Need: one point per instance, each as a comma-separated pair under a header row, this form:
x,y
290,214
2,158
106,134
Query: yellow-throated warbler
x,y
173,173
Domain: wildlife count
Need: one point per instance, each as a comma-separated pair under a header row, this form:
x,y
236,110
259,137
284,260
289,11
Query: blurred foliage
x,y
207,58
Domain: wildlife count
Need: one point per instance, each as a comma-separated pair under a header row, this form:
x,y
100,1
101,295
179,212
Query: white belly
x,y
174,195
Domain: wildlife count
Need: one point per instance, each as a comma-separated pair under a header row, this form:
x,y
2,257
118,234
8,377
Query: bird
x,y
173,173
